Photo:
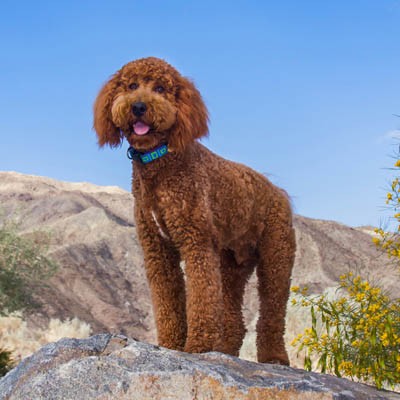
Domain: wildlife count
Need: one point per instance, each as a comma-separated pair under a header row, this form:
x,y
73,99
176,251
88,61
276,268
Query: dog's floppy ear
x,y
191,117
107,131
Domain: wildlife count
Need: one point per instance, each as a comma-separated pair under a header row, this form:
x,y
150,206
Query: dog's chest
x,y
152,198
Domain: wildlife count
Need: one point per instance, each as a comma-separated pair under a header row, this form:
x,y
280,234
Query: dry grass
x,y
297,320
23,341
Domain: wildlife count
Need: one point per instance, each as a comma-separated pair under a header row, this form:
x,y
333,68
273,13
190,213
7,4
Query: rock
x,y
107,367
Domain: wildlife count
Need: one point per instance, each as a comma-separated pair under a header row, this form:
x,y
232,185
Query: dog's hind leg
x,y
276,253
234,278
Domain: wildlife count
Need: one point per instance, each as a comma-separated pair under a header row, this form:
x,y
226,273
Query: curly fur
x,y
222,218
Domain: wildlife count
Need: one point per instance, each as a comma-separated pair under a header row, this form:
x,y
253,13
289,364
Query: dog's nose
x,y
139,108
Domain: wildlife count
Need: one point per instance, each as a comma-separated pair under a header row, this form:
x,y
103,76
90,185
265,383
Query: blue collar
x,y
147,157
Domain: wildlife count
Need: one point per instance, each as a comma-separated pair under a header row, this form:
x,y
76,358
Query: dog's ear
x,y
107,131
191,117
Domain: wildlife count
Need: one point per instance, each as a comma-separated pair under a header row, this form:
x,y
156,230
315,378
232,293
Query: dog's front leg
x,y
204,302
167,285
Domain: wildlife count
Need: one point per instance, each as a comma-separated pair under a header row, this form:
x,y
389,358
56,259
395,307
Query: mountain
x,y
102,279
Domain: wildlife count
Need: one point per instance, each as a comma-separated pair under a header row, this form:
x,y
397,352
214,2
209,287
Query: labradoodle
x,y
222,218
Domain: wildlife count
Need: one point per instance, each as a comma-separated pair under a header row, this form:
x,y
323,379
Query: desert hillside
x,y
102,279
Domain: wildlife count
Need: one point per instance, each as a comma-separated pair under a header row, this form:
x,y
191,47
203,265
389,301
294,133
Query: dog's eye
x,y
133,86
159,89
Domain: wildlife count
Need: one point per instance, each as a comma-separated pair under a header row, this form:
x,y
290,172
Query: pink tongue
x,y
141,128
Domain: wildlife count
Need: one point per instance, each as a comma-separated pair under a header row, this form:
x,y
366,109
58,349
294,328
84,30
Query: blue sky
x,y
304,91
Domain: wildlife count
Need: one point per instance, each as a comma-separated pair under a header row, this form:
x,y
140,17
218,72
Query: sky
x,y
303,91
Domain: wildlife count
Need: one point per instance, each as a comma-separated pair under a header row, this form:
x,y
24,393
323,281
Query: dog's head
x,y
150,103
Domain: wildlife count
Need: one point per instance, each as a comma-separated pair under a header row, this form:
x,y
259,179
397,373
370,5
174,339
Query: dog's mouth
x,y
140,128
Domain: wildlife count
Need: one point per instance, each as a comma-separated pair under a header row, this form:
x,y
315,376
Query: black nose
x,y
139,108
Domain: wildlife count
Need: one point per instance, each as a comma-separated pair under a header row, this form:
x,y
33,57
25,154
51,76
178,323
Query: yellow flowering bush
x,y
389,242
356,335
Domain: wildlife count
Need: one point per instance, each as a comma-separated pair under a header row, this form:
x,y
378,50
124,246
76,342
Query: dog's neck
x,y
152,173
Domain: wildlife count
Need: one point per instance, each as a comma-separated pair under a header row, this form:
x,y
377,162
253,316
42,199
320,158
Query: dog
x,y
222,218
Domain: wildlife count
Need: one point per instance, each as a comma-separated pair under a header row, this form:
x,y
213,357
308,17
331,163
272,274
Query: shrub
x,y
23,267
388,241
357,335
6,361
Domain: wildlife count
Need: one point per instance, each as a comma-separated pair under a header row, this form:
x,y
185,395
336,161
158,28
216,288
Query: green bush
x,y
387,241
6,361
23,267
357,336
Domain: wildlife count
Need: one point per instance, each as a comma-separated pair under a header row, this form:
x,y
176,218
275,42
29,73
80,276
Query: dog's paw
x,y
278,361
198,346
281,359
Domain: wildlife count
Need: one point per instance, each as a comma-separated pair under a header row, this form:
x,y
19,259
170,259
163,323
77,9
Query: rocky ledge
x,y
116,367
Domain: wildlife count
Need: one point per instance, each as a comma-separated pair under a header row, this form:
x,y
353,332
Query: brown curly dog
x,y
222,218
